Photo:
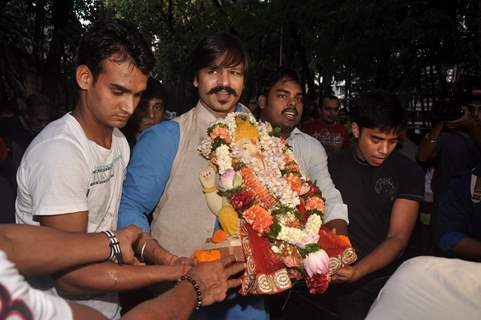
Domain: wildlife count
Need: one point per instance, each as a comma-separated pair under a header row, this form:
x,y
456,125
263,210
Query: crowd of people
x,y
100,211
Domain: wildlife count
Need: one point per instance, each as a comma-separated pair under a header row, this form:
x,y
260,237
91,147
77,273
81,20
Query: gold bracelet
x,y
209,190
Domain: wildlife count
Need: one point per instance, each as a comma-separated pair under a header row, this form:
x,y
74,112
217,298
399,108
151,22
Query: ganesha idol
x,y
269,212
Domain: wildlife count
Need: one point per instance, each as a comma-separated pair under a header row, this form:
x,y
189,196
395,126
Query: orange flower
x,y
294,182
218,236
206,255
256,189
315,203
221,133
259,218
344,240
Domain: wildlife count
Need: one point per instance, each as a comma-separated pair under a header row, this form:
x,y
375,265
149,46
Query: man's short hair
x,y
270,77
214,46
154,90
114,36
330,97
379,110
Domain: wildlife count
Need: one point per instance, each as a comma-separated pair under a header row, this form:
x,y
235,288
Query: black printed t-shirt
x,y
370,193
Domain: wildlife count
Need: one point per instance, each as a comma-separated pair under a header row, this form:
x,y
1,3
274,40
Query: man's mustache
x,y
217,89
294,110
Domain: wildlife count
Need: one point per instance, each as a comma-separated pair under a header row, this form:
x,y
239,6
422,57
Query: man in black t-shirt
x,y
382,190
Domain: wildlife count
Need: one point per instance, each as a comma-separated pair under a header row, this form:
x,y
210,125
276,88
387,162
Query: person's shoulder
x,y
165,129
342,155
404,163
306,138
59,136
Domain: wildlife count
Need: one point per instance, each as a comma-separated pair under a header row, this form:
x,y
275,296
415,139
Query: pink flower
x,y
316,263
315,203
225,181
220,132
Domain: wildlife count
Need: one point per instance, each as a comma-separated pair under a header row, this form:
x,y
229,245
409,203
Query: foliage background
x,y
404,46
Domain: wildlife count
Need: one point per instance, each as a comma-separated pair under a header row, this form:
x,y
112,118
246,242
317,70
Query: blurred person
x,y
71,175
19,131
453,145
327,129
151,110
457,226
30,250
163,174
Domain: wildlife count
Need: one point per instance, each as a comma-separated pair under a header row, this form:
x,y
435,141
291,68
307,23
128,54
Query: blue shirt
x,y
147,173
458,216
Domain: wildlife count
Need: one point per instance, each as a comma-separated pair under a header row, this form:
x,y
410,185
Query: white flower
x,y
224,160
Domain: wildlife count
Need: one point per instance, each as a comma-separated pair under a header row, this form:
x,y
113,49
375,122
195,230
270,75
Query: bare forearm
x,y
380,257
176,303
468,248
39,250
153,252
110,277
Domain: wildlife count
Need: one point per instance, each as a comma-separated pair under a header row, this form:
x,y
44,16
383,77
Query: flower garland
x,y
264,184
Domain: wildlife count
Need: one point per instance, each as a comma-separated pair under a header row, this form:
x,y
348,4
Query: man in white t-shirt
x,y
71,175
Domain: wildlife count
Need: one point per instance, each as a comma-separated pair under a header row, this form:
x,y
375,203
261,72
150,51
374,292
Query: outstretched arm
x,y
106,276
214,279
403,218
40,250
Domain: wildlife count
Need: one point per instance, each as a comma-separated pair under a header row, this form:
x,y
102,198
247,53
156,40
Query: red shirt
x,y
333,138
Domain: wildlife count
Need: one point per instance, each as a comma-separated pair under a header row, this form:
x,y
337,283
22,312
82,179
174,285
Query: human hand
x,y
127,237
346,274
465,121
213,278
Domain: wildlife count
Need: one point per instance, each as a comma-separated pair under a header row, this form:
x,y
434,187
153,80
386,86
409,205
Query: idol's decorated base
x,y
270,213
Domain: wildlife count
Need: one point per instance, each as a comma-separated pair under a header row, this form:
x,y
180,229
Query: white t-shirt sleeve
x,y
20,300
57,176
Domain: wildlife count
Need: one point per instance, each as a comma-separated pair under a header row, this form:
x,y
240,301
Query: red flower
x,y
313,189
241,199
318,283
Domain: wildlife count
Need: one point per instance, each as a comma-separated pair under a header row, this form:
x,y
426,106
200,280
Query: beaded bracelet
x,y
115,252
198,293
